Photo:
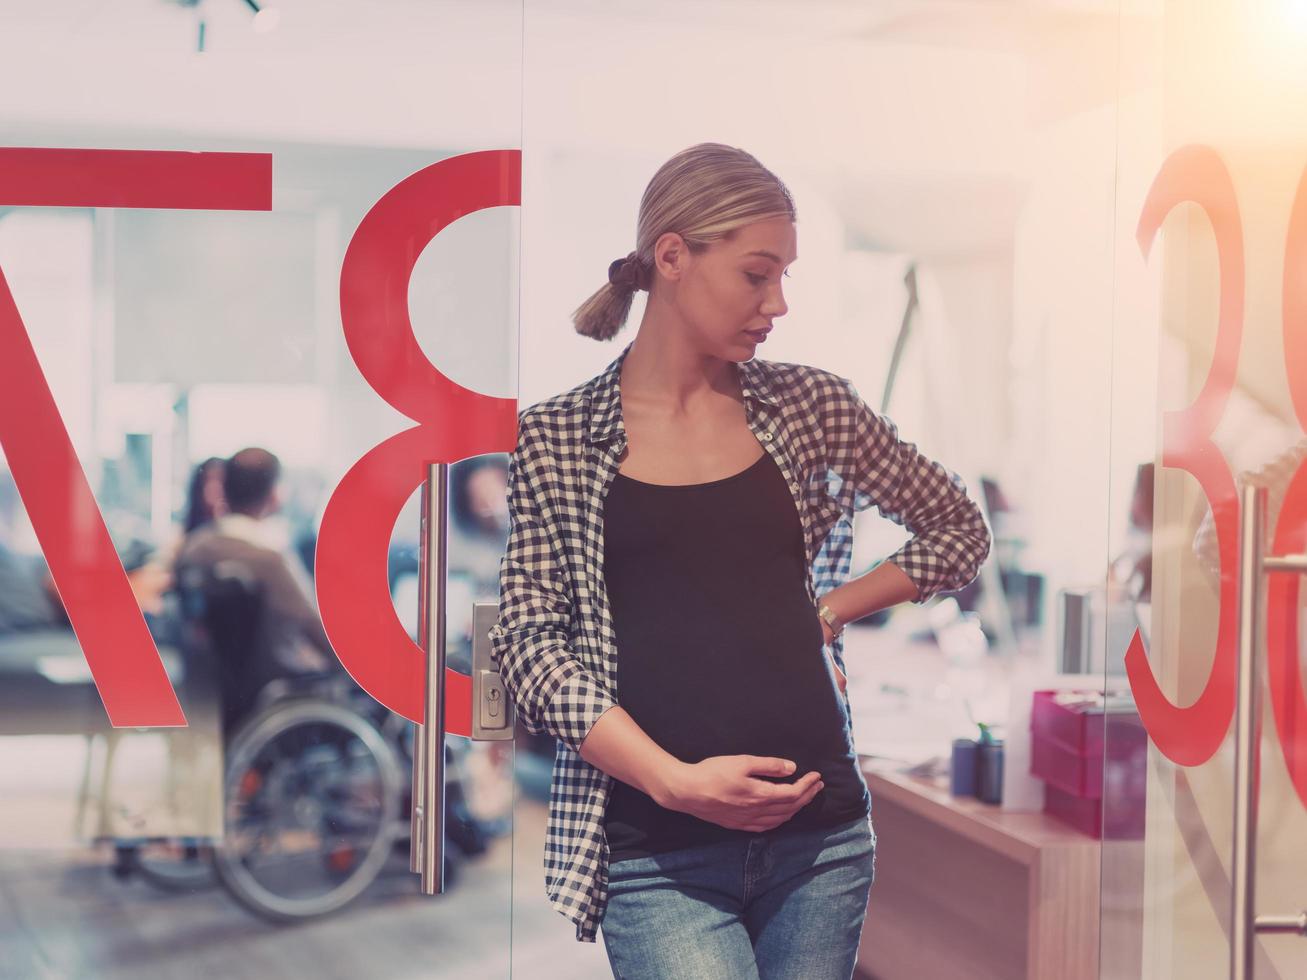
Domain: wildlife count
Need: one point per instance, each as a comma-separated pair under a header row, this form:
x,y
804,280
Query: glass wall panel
x,y
198,200
1207,399
1056,243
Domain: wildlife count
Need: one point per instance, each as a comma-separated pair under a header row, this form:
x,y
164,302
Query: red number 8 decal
x,y
453,423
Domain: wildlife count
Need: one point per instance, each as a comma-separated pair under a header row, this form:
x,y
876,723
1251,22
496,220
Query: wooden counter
x,y
966,890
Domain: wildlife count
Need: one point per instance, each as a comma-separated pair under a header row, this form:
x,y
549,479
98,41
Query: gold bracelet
x,y
833,621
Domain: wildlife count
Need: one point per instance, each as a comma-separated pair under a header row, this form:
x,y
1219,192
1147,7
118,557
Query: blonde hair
x,y
704,194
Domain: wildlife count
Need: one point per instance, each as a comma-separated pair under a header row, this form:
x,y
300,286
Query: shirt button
x,y
765,436
496,630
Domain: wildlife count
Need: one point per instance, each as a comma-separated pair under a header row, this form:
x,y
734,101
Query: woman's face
x,y
487,499
729,294
211,490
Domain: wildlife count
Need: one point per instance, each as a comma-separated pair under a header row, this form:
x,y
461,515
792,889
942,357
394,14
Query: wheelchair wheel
x,y
174,866
312,796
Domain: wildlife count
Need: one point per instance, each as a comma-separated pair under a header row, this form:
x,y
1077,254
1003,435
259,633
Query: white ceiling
x,y
305,25
926,109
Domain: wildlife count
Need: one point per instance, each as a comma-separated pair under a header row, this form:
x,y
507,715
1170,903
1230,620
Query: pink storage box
x,y
1075,746
1083,814
1078,727
1062,766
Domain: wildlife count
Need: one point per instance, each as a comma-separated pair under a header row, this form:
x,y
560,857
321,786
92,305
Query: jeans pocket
x,y
628,868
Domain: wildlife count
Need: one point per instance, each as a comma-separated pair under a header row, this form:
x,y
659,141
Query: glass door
x,y
259,282
1209,398
953,170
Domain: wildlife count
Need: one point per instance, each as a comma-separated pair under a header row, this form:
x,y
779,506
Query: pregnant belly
x,y
766,702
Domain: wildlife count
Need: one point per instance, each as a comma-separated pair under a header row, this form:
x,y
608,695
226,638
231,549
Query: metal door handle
x,y
493,714
1253,565
427,823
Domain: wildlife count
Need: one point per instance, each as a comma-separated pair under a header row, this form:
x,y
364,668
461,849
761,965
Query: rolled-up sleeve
x,y
550,687
950,539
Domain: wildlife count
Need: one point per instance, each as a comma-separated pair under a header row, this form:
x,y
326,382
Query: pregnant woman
x,y
673,592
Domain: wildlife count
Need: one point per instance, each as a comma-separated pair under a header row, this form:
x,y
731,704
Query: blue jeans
x,y
773,906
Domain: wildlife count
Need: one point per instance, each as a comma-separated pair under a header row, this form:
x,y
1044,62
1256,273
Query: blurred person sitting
x,y
1275,474
205,503
150,570
478,522
290,633
205,500
27,597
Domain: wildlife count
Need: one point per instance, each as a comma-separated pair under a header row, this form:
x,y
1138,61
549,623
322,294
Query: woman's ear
x,y
671,255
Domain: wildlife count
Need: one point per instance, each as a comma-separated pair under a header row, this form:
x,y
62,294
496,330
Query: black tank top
x,y
719,648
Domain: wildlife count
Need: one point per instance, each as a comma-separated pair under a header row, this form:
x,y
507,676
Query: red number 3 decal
x,y
1190,735
453,423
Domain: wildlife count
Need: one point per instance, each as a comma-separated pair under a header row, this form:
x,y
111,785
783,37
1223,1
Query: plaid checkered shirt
x,y
554,640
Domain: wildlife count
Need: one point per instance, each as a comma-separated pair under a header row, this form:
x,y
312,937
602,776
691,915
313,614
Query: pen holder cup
x,y
964,767
989,772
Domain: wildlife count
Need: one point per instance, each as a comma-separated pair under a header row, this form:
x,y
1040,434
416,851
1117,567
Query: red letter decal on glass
x,y
1283,670
83,563
453,423
1190,735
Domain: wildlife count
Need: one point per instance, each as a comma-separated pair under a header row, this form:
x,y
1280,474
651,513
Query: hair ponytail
x,y
605,312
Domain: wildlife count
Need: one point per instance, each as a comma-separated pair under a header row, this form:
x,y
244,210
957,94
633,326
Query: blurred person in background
x,y
28,598
205,500
1275,474
478,523
154,576
242,537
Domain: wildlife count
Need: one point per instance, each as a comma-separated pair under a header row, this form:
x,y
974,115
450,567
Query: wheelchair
x,y
316,784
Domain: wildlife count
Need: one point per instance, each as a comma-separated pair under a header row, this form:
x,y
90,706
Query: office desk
x,y
966,890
